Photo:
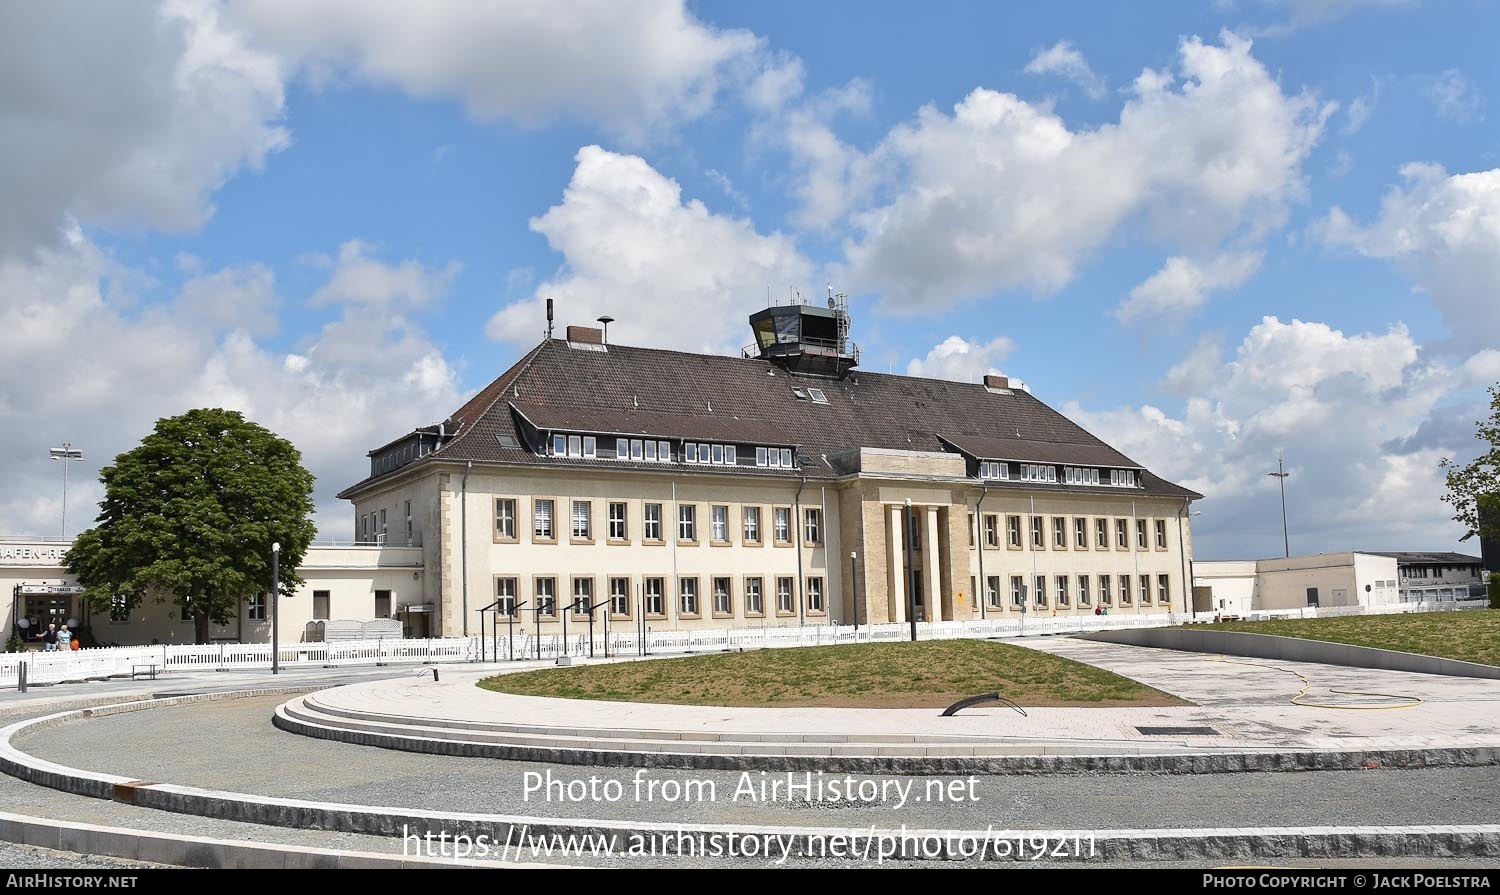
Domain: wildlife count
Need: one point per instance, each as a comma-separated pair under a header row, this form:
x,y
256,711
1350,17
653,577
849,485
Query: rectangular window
x,y
1062,590
687,592
1140,533
814,527
651,521
782,520
1101,534
1122,534
255,610
619,598
656,603
786,457
505,519
690,452
575,446
723,602
992,591
364,529
583,595
718,454
992,470
583,520
1084,597
1104,597
1124,590
784,603
559,445
1161,534
382,604
546,597
754,604
1038,536
321,599
1145,589
815,595
1017,591
719,516
590,446
1013,523
1059,533
1163,590
382,527
541,525
760,456
505,595
1122,478
1041,590
752,525
992,530
687,522
618,531
664,451
729,453
1032,472
703,453
1081,534
640,450
409,530
970,529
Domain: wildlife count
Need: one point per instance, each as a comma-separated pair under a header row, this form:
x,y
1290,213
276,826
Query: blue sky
x,y
1208,232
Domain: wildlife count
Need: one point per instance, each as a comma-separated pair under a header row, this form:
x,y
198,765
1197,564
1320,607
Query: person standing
x,y
64,638
49,639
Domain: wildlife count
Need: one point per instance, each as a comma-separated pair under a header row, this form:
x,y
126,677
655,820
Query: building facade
x,y
1428,576
783,487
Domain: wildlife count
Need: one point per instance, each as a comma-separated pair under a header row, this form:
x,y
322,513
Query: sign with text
x,y
32,554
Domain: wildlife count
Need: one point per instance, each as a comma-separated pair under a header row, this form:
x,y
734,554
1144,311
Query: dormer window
x,y
817,395
1122,478
711,454
773,458
990,469
582,446
1035,472
1080,475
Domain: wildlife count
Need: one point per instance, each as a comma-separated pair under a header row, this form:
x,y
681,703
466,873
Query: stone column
x,y
896,550
932,571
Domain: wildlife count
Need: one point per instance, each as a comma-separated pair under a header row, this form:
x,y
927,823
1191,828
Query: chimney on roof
x,y
586,335
996,383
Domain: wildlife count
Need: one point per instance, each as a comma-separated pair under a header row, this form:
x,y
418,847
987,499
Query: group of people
x,y
55,638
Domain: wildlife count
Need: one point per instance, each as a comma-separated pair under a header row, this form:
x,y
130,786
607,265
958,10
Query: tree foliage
x,y
1474,488
189,516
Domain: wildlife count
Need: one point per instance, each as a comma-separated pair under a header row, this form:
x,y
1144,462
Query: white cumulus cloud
x,y
1185,283
1064,59
671,273
960,360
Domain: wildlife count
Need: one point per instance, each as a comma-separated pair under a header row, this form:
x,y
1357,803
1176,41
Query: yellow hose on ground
x,y
1299,699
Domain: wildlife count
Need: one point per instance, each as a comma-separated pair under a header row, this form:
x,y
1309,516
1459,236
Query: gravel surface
x,y
226,745
26,857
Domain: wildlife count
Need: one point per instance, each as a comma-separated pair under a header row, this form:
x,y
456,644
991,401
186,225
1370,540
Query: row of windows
x,y
1041,472
1062,591
587,447
1062,535
618,522
373,527
620,598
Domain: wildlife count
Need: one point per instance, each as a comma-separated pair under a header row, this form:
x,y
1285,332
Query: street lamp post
x,y
1280,475
275,601
68,455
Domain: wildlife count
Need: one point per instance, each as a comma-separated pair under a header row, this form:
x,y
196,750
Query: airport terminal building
x,y
784,486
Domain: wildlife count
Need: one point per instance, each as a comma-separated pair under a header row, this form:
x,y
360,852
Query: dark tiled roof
x,y
1428,558
673,394
1067,449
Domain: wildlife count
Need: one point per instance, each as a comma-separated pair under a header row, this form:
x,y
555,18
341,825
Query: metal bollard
x,y
21,677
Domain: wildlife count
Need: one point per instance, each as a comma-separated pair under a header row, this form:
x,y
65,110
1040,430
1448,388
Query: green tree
x,y
1474,488
189,516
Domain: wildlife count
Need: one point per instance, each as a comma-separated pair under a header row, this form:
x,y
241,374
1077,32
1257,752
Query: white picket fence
x,y
90,664
1345,611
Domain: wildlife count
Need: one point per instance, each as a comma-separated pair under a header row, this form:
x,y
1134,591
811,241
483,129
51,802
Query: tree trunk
x,y
200,626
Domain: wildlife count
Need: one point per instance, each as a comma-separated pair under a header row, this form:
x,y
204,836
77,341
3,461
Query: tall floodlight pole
x,y
1280,475
275,601
911,576
68,455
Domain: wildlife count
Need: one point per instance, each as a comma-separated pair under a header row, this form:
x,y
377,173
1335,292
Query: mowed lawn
x,y
1470,635
926,674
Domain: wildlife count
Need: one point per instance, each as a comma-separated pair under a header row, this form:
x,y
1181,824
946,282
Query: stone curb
x,y
1159,763
1117,845
199,851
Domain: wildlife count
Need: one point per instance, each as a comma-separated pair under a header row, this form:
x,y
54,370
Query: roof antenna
x,y
605,321
549,318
